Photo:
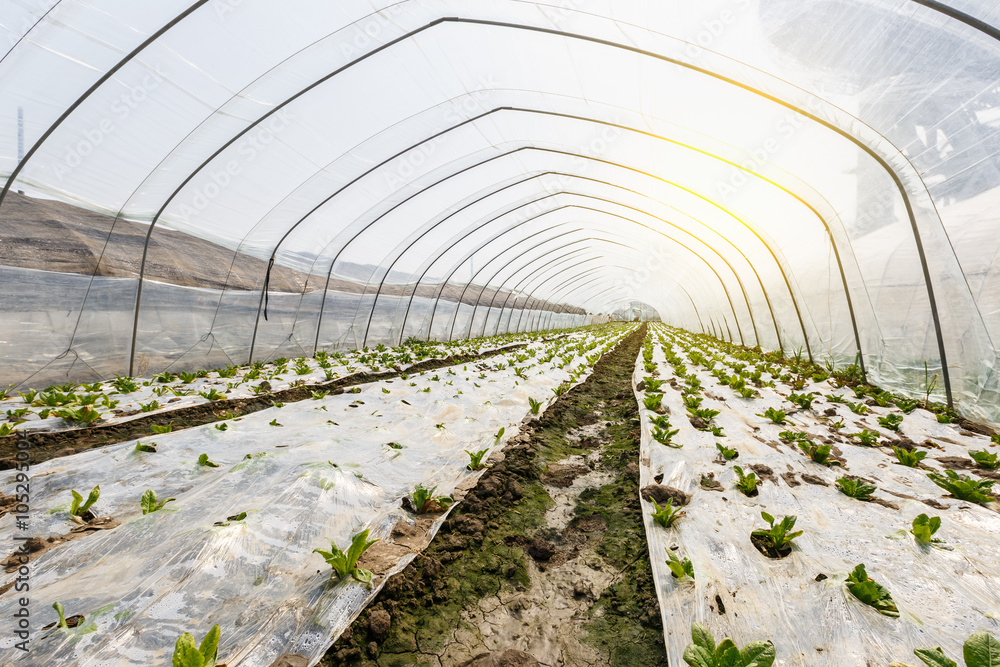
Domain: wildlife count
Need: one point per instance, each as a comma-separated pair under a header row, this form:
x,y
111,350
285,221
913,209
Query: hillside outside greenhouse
x,y
499,333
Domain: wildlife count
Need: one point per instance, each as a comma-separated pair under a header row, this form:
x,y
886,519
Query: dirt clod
x,y
661,494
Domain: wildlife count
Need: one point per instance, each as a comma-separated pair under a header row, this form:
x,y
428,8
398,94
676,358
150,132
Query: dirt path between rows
x,y
544,563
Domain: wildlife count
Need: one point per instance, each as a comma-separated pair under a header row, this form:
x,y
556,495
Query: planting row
x,y
74,405
777,491
238,523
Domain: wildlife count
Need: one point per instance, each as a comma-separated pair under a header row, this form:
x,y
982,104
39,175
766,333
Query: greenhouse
x,y
500,333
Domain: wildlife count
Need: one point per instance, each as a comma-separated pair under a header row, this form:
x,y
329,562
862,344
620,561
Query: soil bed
x,y
544,562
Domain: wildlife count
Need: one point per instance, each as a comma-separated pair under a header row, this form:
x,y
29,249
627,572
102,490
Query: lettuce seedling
x,y
985,460
963,487
149,503
156,428
666,515
652,384
7,429
692,401
867,437
652,401
906,405
423,500
346,564
707,414
702,651
944,418
124,384
727,453
147,449
149,407
858,408
82,415
747,392
776,416
871,592
717,431
187,378
891,421
980,650
793,436
908,458
476,459
804,401
203,461
188,654
661,421
78,506
818,453
924,527
212,395
535,405
679,568
855,488
777,537
745,483
664,436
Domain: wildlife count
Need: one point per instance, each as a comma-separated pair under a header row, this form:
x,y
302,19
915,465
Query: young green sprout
x,y
776,541
149,502
652,401
924,527
203,461
666,515
891,421
726,453
188,654
679,568
818,453
981,650
985,459
776,416
963,487
476,459
535,405
867,437
78,507
856,488
746,483
345,564
423,500
804,401
871,592
908,458
702,651
665,436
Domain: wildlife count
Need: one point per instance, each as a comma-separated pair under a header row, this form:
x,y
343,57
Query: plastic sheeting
x,y
824,175
944,593
330,473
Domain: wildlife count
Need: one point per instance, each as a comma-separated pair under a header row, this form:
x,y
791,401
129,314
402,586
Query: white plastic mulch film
x,y
326,467
944,592
188,184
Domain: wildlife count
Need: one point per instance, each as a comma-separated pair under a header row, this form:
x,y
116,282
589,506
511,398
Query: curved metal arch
x,y
791,293
702,70
497,272
577,194
513,227
616,203
581,275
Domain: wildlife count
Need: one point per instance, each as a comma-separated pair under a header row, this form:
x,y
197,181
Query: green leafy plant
x,y
726,453
707,414
535,405
212,394
62,615
804,401
777,538
856,488
702,651
78,507
652,401
149,502
345,564
980,650
871,592
660,420
908,458
692,401
149,407
124,384
837,425
7,429
945,418
476,459
906,405
924,527
188,654
963,487
665,436
985,459
717,431
203,461
891,421
141,447
424,501
187,378
867,437
818,453
776,416
746,483
652,384
274,422
82,415
679,568
222,427
666,515
156,428
858,408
